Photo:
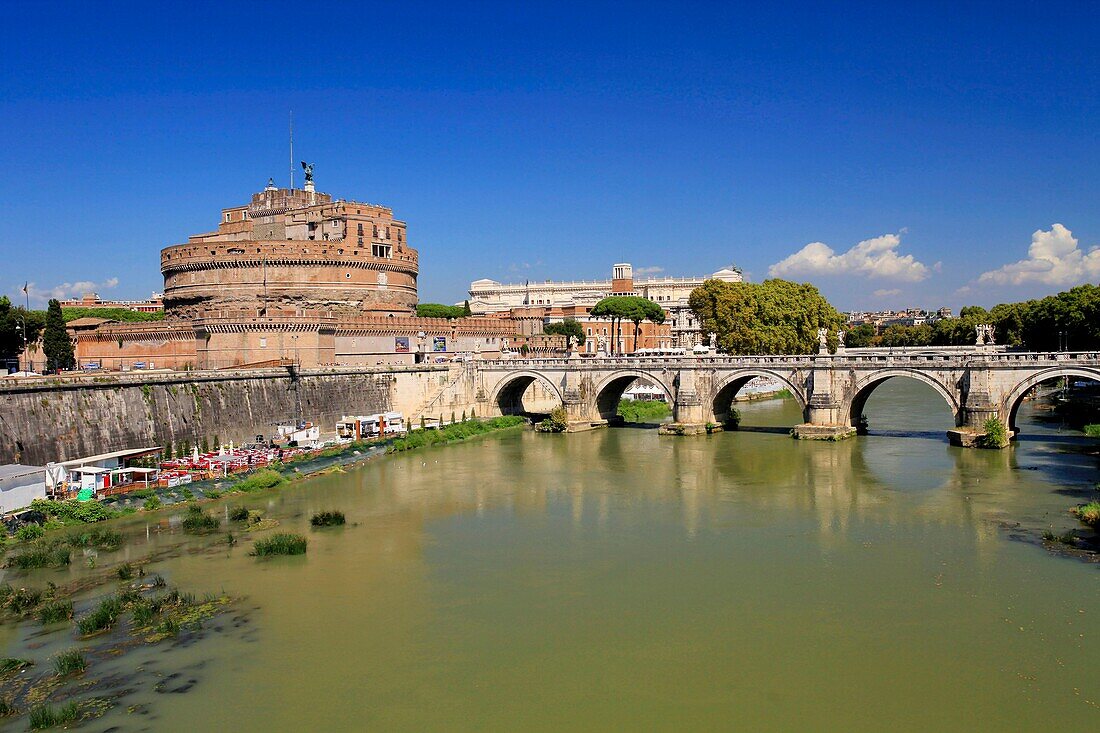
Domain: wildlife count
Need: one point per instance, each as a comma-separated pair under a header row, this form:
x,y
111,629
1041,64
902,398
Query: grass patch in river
x,y
47,716
69,662
40,555
280,544
11,664
238,514
328,519
197,521
103,617
1088,513
55,611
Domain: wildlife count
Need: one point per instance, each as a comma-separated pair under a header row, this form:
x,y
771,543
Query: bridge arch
x,y
610,390
863,389
727,388
508,394
1015,397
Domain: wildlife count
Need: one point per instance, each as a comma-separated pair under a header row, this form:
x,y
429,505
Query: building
x,y
532,305
294,276
155,303
20,485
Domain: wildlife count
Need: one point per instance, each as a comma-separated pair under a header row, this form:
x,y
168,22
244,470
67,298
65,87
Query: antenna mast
x,y
291,149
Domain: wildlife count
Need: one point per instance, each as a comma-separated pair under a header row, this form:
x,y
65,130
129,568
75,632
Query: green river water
x,y
618,580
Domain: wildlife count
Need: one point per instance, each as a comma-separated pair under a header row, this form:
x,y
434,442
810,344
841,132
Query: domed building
x,y
292,276
298,249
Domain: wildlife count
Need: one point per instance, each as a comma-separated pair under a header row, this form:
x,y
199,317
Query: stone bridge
x,y
976,383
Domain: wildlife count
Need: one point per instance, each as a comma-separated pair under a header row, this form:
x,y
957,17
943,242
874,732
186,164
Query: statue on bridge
x,y
822,340
985,332
839,339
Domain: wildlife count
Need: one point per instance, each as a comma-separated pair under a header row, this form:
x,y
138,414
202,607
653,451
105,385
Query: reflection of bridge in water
x,y
831,389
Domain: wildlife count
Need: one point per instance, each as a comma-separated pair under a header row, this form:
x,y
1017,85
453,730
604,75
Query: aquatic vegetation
x,y
11,664
151,504
197,521
238,514
1088,513
213,494
39,555
1093,431
6,708
260,480
125,571
47,716
280,544
327,519
19,600
29,532
103,617
102,539
55,611
69,662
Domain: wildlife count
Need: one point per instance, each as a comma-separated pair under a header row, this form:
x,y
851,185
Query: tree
x,y
630,308
861,335
12,322
772,317
642,309
466,308
438,310
568,327
56,342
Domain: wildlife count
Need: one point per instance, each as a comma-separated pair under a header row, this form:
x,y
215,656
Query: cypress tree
x,y
466,308
56,342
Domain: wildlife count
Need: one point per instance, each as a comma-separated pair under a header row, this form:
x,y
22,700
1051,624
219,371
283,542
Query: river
x,y
620,580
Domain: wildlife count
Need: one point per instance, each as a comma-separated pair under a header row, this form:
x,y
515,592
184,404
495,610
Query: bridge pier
x,y
688,417
824,417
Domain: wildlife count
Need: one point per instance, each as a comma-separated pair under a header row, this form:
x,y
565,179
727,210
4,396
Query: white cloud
x,y
40,295
875,258
648,270
1052,259
884,293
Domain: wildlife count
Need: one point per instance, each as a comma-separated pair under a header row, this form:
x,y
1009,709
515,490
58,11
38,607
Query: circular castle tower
x,y
295,250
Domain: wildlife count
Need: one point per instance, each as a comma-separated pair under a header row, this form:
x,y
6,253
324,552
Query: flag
x,y
25,284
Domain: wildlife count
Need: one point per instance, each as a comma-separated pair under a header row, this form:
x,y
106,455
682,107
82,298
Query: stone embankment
x,y
56,419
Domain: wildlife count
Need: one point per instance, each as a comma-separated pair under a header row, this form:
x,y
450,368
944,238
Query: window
x,y
380,250
360,229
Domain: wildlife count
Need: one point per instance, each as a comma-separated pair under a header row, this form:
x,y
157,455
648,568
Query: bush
x,y
995,434
197,521
125,571
29,532
238,514
265,479
556,423
450,433
280,544
328,519
151,504
1093,431
73,511
46,716
733,420
213,494
643,411
55,611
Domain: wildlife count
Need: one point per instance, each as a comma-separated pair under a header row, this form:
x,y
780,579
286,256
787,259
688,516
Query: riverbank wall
x,y
57,419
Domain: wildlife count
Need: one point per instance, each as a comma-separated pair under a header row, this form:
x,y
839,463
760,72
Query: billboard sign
x,y
401,344
439,343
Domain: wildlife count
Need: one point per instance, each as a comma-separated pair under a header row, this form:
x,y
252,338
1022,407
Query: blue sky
x,y
549,142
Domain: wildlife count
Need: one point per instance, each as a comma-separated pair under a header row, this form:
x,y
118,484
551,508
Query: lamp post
x,y
21,327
